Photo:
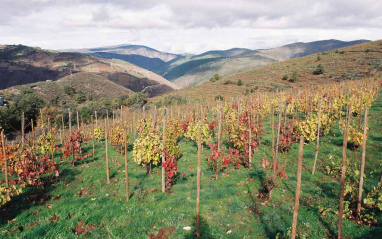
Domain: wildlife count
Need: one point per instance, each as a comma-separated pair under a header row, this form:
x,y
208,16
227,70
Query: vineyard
x,y
299,163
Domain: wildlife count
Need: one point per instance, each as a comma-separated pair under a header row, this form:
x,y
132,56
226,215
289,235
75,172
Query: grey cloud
x,y
186,25
101,15
216,13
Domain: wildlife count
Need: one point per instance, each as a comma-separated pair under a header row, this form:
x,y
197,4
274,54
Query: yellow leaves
x,y
355,136
308,127
98,133
7,193
192,132
148,147
117,135
45,144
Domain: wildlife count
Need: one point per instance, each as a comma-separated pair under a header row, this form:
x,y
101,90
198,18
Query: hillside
x,y
300,49
237,60
141,61
349,63
92,86
142,56
192,70
22,65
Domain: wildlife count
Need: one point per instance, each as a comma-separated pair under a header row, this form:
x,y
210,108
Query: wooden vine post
x,y
343,172
126,168
285,114
273,143
164,152
360,112
42,122
278,136
23,130
93,139
61,137
96,118
113,119
121,114
107,156
198,184
70,122
62,127
78,122
318,136
155,117
5,159
298,187
250,137
360,189
134,126
220,127
33,133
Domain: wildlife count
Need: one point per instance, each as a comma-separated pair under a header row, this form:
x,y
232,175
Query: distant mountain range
x,y
189,70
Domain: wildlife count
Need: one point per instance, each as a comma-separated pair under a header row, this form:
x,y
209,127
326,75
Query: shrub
x,y
294,77
69,90
175,100
227,82
285,77
30,104
319,70
137,100
318,57
216,77
239,83
367,50
219,97
80,97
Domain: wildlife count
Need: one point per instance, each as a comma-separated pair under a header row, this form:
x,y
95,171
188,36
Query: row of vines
x,y
233,131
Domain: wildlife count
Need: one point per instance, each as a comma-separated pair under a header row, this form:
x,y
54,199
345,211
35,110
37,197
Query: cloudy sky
x,y
186,26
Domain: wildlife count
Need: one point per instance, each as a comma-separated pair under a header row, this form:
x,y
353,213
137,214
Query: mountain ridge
x,y
189,70
20,65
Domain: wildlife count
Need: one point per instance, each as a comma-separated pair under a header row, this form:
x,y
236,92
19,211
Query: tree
x,y
216,77
219,97
10,116
294,77
319,70
137,100
69,90
80,97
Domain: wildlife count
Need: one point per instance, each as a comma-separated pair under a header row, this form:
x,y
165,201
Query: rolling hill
x,y
237,60
21,65
191,70
141,56
349,63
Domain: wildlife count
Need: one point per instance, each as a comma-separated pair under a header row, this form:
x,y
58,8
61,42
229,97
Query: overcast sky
x,y
182,26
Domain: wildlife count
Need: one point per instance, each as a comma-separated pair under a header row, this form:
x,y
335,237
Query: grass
x,y
229,203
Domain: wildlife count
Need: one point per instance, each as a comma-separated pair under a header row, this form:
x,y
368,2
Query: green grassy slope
x,y
229,203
